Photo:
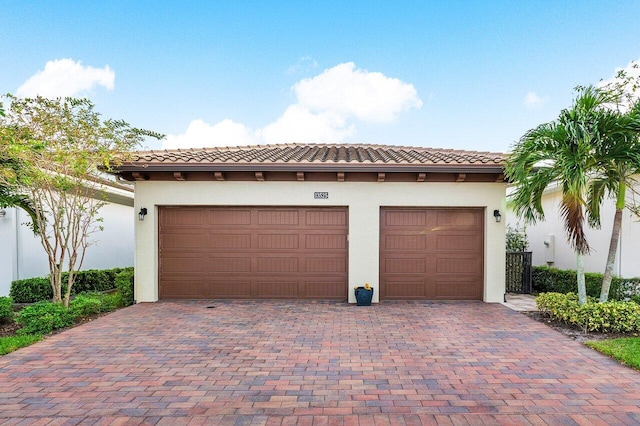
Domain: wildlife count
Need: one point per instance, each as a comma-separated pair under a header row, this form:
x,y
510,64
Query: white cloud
x,y
324,112
368,96
200,134
66,77
533,101
298,124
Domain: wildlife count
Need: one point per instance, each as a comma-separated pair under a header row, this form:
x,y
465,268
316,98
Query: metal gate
x,y
518,277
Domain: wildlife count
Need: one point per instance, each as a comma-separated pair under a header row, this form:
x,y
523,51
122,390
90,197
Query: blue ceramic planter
x,y
363,296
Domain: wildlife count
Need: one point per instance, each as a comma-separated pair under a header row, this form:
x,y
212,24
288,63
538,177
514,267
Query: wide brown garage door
x,y
431,253
253,252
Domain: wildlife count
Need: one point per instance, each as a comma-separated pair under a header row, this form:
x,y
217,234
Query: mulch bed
x,y
8,329
574,332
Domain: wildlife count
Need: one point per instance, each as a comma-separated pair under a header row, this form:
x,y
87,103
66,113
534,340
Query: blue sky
x,y
469,75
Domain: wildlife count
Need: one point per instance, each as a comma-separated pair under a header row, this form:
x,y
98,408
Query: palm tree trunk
x,y
611,258
582,288
613,244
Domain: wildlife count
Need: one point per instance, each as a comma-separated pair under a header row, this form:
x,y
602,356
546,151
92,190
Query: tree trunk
x,y
611,258
613,244
582,288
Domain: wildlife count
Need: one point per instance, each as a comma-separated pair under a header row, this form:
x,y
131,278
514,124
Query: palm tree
x,y
560,152
618,159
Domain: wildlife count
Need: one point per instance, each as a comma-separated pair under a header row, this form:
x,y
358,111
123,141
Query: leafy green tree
x,y
561,153
10,176
59,144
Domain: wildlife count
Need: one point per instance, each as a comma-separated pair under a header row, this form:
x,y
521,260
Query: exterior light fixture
x,y
3,213
143,213
497,215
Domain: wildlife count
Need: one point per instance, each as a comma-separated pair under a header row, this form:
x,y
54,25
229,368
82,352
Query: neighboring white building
x,y
548,240
315,221
22,255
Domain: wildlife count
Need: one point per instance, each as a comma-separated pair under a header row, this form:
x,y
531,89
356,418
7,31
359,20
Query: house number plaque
x,y
320,195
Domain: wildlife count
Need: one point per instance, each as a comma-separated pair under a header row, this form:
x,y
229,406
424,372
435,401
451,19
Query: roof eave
x,y
338,167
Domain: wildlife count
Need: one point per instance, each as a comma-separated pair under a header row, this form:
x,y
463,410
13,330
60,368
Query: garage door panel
x,y
182,218
184,240
230,217
405,289
406,265
230,241
254,252
184,288
458,219
229,289
278,241
405,218
326,264
278,289
458,243
458,289
184,262
326,218
325,241
280,217
230,264
431,253
405,242
324,289
457,265
277,264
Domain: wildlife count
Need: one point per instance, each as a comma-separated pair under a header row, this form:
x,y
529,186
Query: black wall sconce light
x,y
143,213
497,215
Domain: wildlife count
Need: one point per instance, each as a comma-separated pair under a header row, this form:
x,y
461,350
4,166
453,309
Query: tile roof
x,y
314,154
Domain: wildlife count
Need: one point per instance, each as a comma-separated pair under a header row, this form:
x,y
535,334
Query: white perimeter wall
x,y
22,255
563,257
363,200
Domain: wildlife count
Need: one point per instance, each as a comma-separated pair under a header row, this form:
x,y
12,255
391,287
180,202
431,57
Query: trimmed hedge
x,y
124,284
552,280
6,310
608,317
32,290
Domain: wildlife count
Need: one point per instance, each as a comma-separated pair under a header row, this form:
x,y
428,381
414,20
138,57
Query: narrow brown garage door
x,y
429,253
253,252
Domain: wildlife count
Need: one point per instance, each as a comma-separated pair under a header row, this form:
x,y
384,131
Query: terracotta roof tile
x,y
351,154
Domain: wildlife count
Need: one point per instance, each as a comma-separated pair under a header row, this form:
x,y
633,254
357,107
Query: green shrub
x,y
124,283
86,304
33,290
43,318
6,310
545,280
609,317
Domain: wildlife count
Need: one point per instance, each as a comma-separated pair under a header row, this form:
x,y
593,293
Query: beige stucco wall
x,y
560,255
362,198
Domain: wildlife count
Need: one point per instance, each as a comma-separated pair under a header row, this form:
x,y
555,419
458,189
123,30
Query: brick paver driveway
x,y
314,363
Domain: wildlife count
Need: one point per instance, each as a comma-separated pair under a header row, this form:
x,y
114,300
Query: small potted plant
x,y
364,295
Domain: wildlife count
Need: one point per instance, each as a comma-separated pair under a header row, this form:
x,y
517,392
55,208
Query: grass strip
x,y
625,350
12,343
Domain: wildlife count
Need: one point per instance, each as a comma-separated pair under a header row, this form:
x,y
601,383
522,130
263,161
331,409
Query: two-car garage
x,y
313,221
302,252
